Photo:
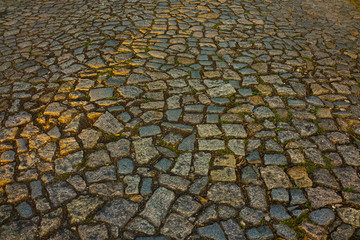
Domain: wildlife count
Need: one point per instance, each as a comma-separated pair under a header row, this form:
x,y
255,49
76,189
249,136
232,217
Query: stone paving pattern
x,y
179,119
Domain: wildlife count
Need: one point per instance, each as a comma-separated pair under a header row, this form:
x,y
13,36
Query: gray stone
x,y
305,128
117,212
313,231
232,230
226,193
251,215
275,177
18,119
279,194
182,165
199,185
98,158
50,222
234,130
188,143
158,205
107,189
144,150
109,124
151,130
285,232
141,225
274,159
208,130
350,216
119,148
80,208
132,182
211,145
257,197
350,154
323,216
263,232
101,174
201,163
93,232
163,165
263,112
174,182
125,166
130,91
212,231
237,146
279,213
343,232
222,90
320,197
5,212
60,192
186,205
89,137
176,227
23,229
297,197
24,210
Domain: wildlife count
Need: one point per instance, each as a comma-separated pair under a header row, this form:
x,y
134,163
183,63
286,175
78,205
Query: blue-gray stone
x,y
25,210
245,92
194,108
297,197
173,115
164,164
101,93
212,231
125,117
188,144
125,166
151,130
323,216
212,118
115,81
178,127
253,157
279,194
274,159
116,109
146,186
220,100
257,233
36,189
215,109
279,212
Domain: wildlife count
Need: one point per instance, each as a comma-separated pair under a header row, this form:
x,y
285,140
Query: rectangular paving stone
x,y
211,145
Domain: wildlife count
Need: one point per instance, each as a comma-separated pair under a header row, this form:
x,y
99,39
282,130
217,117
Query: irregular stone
x,y
285,232
313,231
144,150
208,130
323,216
176,227
50,222
158,205
263,232
300,176
130,91
89,137
201,163
182,165
119,148
348,177
18,119
275,177
232,230
7,173
350,216
101,93
222,90
24,210
211,145
226,193
93,232
60,192
234,130
212,231
350,154
69,163
22,229
104,173
223,175
142,226
320,197
186,205
109,124
343,232
117,212
80,208
279,213
251,215
68,145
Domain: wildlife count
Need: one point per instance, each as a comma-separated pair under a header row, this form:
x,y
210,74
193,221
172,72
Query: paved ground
x,y
179,119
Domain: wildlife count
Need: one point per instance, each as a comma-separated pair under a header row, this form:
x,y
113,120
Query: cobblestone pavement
x,y
179,119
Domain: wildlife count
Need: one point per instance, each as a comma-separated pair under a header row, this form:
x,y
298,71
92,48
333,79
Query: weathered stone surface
x,y
275,177
176,227
157,206
7,173
109,124
350,216
81,207
50,222
117,212
93,232
313,231
145,150
227,193
60,192
320,197
212,231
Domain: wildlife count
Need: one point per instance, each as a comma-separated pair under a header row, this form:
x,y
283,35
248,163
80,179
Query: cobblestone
x,y
181,119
